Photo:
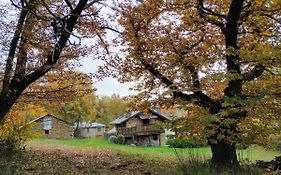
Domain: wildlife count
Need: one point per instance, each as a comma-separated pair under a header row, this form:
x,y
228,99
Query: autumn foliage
x,y
223,57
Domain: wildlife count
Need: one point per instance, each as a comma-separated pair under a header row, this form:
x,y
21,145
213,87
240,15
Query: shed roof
x,y
89,125
48,115
97,125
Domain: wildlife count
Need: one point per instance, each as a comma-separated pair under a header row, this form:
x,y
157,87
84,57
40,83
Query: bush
x,y
120,139
184,143
13,140
112,139
177,143
275,142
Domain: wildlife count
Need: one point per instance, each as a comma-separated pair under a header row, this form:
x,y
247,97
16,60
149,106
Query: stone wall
x,y
59,130
133,122
92,132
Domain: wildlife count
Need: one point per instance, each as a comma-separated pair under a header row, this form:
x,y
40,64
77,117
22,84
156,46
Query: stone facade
x,y
133,122
49,126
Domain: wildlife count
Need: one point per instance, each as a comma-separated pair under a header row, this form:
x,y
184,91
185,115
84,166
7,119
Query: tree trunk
x,y
223,155
4,109
3,112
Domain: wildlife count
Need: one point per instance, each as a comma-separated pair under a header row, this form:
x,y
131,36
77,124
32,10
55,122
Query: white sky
x,y
108,86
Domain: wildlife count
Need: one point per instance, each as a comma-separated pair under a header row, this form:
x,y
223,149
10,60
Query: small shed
x,y
91,130
50,126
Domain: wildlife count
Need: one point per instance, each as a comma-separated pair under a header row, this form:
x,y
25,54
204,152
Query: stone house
x,y
91,130
49,126
141,130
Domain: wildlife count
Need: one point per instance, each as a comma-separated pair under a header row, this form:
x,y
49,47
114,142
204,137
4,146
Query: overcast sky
x,y
108,86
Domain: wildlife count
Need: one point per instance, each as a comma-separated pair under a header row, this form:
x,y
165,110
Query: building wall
x,y
155,140
92,132
144,140
135,121
155,121
59,130
162,139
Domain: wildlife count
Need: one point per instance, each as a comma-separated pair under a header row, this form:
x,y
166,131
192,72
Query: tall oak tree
x,y
208,52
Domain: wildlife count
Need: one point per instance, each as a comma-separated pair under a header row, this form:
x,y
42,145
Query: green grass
x,y
250,154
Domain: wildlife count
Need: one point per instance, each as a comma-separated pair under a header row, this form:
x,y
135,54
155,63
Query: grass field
x,y
98,156
251,154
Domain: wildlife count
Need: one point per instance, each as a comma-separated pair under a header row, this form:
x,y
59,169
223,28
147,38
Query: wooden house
x,y
49,126
142,130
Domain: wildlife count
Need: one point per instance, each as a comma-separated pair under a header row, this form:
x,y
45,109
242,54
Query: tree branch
x,y
54,55
254,73
69,4
207,11
12,51
202,99
204,12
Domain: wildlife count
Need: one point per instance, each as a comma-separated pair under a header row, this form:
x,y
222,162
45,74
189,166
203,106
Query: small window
x,y
146,121
46,132
47,122
88,129
98,129
155,136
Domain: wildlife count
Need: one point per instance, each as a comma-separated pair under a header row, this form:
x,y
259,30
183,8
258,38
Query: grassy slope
x,y
96,156
251,154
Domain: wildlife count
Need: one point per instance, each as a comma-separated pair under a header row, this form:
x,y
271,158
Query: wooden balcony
x,y
139,130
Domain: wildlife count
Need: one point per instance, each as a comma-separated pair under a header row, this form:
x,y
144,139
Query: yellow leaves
x,y
14,129
213,141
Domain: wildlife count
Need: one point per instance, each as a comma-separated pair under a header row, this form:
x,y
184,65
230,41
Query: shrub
x,y
12,140
177,143
184,143
112,139
120,139
275,142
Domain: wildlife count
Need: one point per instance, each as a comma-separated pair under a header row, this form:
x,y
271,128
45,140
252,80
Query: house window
x,y
98,129
88,129
46,132
47,122
155,137
146,121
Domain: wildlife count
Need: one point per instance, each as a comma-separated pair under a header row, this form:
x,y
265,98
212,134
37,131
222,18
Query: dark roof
x,y
48,115
155,115
124,118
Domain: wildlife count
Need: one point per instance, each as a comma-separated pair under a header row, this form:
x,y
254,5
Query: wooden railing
x,y
139,130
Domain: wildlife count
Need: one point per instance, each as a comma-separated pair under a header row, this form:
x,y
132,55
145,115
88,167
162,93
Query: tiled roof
x,y
121,119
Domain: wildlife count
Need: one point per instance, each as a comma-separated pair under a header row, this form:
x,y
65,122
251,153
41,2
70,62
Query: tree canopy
x,y
109,108
40,36
219,55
